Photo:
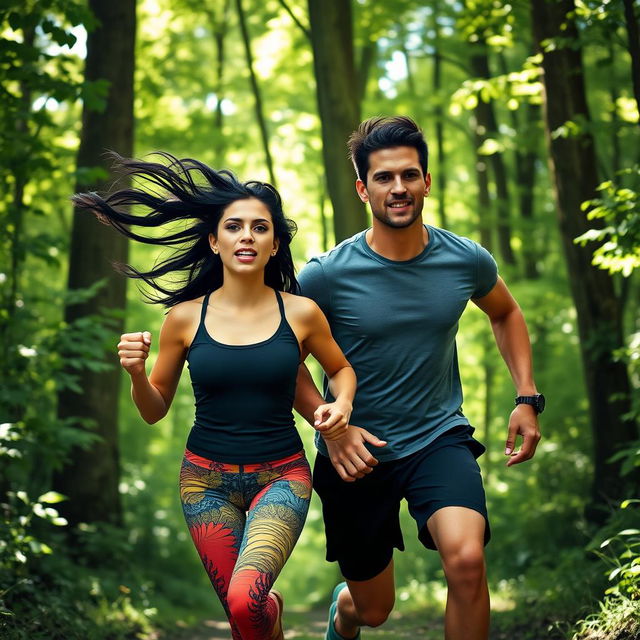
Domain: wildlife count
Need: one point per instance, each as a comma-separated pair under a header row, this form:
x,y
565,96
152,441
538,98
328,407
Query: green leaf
x,y
51,497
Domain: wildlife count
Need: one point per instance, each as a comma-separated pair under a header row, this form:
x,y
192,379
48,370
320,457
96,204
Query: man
x,y
393,295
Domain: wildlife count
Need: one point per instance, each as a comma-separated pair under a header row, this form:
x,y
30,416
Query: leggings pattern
x,y
244,521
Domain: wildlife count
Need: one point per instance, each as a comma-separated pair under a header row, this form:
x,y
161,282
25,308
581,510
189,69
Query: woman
x,y
245,483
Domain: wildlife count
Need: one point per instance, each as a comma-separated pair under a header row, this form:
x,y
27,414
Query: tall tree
x,y
339,108
525,167
257,93
15,220
91,477
218,17
441,176
573,167
488,123
634,45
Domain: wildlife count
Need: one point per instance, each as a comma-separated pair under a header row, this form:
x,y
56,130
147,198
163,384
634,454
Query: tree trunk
x,y
616,152
16,213
338,106
487,121
634,47
485,217
256,93
573,168
526,177
91,477
368,56
323,216
525,162
219,27
441,173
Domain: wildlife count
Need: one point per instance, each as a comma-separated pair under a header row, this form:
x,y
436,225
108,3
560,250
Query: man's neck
x,y
398,244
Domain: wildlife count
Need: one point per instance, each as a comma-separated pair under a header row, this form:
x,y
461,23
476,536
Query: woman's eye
x,y
260,228
232,227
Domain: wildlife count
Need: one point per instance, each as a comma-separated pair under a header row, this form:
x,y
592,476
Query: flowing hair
x,y
171,192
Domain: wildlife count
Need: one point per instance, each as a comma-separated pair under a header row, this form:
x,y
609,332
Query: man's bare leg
x,y
366,603
459,536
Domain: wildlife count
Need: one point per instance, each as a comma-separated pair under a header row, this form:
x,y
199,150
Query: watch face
x,y
540,403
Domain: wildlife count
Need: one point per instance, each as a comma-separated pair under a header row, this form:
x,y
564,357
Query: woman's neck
x,y
241,291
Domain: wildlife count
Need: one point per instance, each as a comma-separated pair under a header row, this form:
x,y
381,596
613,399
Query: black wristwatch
x,y
537,402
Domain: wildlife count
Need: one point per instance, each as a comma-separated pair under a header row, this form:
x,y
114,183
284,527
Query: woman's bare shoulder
x,y
185,313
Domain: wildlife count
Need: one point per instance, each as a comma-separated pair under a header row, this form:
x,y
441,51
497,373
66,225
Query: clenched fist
x,y
133,350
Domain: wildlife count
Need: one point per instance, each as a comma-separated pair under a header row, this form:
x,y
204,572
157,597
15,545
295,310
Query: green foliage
x,y
45,590
63,595
619,612
619,210
515,88
626,561
18,542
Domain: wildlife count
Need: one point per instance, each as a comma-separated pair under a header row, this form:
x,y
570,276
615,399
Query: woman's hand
x,y
133,350
332,419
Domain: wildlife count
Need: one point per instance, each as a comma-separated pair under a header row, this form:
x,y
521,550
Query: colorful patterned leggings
x,y
245,521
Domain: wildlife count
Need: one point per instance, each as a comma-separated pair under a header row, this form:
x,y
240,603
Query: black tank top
x,y
244,395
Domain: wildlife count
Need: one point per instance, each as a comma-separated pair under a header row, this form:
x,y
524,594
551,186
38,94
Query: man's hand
x,y
350,458
523,421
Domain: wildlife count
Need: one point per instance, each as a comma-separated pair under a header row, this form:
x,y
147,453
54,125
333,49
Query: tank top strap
x,y
205,305
280,304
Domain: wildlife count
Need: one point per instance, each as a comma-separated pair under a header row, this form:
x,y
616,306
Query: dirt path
x,y
311,625
425,625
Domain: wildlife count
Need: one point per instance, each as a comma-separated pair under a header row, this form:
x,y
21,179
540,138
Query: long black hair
x,y
170,192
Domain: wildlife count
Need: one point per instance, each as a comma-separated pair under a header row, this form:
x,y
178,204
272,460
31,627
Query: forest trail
x,y
311,625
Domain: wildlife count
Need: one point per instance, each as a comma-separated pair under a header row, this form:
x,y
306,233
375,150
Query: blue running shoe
x,y
331,633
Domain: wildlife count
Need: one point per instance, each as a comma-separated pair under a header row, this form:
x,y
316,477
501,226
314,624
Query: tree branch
x,y
304,29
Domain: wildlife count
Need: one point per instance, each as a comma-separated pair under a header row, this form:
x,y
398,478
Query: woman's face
x,y
245,239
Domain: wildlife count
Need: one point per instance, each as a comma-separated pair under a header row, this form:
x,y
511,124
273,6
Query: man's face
x,y
396,187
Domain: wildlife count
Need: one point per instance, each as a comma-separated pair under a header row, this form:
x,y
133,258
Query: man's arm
x,y
350,458
512,338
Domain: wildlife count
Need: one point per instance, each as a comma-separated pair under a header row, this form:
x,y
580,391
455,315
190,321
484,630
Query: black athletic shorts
x,y
361,518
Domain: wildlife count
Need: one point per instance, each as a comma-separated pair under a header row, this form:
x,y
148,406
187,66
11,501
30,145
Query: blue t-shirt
x,y
396,322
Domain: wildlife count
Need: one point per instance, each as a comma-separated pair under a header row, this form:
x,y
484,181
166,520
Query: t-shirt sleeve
x,y
487,273
313,284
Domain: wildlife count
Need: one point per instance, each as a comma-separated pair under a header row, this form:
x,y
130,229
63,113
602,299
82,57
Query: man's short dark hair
x,y
382,133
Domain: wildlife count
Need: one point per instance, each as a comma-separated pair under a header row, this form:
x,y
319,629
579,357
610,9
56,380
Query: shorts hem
x,y
371,571
425,536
